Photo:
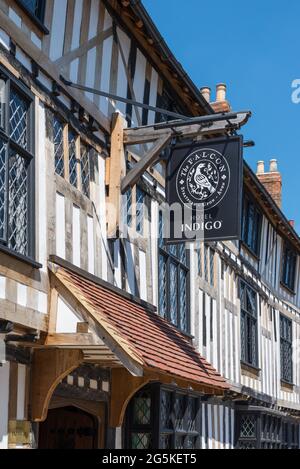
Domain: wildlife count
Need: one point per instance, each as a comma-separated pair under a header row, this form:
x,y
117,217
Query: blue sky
x,y
254,48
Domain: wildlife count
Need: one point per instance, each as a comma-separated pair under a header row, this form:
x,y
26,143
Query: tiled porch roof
x,y
149,339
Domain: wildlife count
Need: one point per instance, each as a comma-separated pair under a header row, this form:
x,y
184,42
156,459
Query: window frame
x,y
247,203
251,319
27,154
155,426
37,20
79,143
284,340
272,431
164,251
287,249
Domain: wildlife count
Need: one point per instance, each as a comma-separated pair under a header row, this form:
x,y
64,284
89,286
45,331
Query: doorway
x,y
68,428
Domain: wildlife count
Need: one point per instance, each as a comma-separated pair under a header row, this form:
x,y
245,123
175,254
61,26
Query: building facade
x,y
108,338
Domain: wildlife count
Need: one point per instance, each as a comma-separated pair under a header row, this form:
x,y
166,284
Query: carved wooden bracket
x,y
49,368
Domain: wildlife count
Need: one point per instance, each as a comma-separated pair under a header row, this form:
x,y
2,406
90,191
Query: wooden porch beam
x,y
73,340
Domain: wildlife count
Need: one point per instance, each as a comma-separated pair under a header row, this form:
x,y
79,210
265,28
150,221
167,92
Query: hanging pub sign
x,y
204,191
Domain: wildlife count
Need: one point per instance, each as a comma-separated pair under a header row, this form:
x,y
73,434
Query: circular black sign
x,y
203,178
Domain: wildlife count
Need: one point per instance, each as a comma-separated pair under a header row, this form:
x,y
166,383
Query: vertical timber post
x,y
116,172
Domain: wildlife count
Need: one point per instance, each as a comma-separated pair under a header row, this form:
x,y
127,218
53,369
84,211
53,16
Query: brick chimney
x,y
220,104
272,180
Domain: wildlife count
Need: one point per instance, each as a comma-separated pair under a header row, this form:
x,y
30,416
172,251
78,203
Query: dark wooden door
x,y
68,428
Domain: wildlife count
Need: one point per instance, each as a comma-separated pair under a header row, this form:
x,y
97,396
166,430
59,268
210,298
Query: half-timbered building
x,y
109,338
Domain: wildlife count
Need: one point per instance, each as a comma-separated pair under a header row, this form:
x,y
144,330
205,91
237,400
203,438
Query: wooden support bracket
x,y
152,156
49,368
162,134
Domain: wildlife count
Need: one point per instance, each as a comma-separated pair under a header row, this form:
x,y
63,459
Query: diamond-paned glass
x,y
18,118
286,349
164,417
179,411
191,442
165,410
166,441
141,441
163,286
206,270
243,336
249,331
140,210
73,160
199,257
36,7
3,190
183,299
173,294
85,169
179,442
247,445
58,140
248,427
182,254
128,208
16,209
173,281
161,232
142,409
2,103
212,266
18,204
173,250
192,409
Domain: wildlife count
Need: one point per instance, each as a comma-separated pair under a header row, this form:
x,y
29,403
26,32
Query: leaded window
x,y
141,417
73,159
251,226
140,210
16,168
206,264
265,430
58,140
173,282
35,8
128,208
249,332
289,267
72,156
162,418
85,169
247,432
286,349
180,421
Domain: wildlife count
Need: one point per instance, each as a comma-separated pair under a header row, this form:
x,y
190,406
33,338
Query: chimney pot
x,y
221,92
273,166
206,93
292,223
272,181
260,167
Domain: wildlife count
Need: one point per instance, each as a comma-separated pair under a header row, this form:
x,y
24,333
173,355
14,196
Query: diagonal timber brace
x,y
152,156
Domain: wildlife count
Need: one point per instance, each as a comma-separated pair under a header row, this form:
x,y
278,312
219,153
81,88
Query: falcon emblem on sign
x,y
203,178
